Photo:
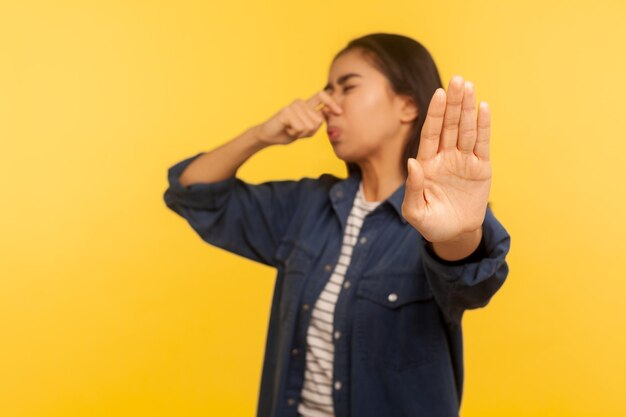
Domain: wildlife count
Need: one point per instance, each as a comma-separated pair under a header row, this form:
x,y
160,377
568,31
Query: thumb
x,y
414,190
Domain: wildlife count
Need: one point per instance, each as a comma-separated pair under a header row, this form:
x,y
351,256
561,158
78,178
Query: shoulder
x,y
313,190
303,188
321,184
322,181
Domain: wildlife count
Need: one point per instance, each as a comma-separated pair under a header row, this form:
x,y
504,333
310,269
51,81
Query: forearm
x,y
224,161
458,248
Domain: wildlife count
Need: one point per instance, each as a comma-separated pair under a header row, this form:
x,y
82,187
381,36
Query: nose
x,y
328,111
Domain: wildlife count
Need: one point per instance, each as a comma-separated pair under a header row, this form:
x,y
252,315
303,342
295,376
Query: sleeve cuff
x,y
476,256
482,263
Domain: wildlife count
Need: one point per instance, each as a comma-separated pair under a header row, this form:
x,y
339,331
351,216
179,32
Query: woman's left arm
x,y
469,282
446,201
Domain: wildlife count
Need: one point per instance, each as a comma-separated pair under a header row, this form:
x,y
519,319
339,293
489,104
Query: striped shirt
x,y
317,391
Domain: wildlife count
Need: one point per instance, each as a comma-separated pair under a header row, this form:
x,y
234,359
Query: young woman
x,y
374,271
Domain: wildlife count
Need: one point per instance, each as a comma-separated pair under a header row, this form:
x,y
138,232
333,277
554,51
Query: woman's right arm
x,y
297,120
223,161
247,219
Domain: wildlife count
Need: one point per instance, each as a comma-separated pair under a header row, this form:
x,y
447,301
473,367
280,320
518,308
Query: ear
x,y
408,109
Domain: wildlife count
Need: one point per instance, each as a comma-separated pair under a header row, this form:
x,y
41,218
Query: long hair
x,y
411,71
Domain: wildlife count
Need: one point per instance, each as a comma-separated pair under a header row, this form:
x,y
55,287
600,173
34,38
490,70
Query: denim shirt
x,y
397,325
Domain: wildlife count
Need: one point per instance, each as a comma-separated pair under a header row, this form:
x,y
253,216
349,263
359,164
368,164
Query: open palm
x,y
447,188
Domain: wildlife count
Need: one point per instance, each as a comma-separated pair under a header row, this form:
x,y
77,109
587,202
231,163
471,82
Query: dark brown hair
x,y
411,71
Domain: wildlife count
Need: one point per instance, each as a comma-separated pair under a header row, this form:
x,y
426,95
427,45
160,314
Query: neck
x,y
380,180
381,171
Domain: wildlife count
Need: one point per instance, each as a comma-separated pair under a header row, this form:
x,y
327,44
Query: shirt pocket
x,y
293,262
294,257
395,320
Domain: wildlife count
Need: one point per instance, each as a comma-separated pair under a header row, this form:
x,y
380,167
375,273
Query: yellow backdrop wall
x,y
110,305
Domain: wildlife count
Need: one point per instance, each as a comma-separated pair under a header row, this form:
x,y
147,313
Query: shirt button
x,y
328,267
393,297
337,385
295,351
305,307
347,284
363,240
337,334
291,401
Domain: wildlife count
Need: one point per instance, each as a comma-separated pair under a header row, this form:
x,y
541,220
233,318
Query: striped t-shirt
x,y
317,391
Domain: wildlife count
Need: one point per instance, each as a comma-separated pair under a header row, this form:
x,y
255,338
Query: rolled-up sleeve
x,y
242,218
469,283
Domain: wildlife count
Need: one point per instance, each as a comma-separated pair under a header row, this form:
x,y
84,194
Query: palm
x,y
447,188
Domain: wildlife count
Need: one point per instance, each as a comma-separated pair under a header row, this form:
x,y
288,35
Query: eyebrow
x,y
341,80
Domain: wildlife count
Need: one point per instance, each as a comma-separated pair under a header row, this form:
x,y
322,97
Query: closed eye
x,y
346,88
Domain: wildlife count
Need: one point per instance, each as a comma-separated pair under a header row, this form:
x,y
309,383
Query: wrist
x,y
459,247
258,138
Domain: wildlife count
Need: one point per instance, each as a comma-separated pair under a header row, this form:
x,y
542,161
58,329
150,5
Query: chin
x,y
349,159
340,151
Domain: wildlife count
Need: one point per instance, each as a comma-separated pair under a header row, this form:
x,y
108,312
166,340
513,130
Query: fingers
x,y
483,138
451,122
303,120
414,202
453,113
431,131
312,119
467,125
325,98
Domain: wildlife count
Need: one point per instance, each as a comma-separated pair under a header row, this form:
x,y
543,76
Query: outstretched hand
x,y
448,184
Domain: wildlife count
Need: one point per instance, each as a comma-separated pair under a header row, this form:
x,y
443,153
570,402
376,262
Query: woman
x,y
374,271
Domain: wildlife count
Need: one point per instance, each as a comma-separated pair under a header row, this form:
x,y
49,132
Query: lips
x,y
333,132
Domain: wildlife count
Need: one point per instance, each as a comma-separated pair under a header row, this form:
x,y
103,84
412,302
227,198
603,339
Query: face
x,y
375,120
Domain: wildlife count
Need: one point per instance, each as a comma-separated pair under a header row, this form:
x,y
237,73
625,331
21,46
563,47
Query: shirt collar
x,y
342,195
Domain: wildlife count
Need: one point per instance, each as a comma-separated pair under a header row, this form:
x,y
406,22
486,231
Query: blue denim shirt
x,y
400,350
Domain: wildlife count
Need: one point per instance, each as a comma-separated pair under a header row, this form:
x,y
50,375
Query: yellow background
x,y
110,305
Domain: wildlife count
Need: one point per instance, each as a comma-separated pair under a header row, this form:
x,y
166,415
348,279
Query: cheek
x,y
368,117
364,104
